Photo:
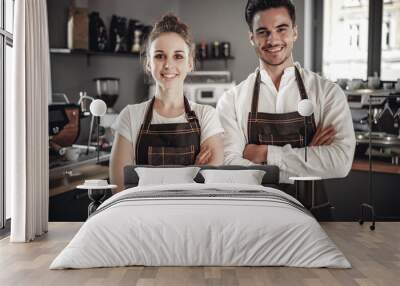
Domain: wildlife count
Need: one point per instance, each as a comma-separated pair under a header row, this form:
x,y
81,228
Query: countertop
x,y
65,176
377,167
61,166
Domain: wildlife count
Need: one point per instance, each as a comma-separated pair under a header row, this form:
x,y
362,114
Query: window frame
x,y
375,18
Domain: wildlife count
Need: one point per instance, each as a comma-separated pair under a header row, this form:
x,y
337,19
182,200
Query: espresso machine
x,y
383,125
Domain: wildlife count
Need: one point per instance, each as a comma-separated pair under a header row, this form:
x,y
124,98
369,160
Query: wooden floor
x,y
375,257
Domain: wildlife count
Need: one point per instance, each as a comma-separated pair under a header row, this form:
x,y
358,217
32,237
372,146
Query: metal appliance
x,y
107,89
204,87
64,127
384,108
361,98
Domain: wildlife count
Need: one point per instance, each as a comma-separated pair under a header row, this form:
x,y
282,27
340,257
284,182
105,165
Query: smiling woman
x,y
168,129
169,61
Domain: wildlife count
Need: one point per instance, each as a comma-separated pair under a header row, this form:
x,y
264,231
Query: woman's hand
x,y
211,151
204,156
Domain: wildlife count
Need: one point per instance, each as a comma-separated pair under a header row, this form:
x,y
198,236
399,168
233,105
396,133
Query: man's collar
x,y
288,73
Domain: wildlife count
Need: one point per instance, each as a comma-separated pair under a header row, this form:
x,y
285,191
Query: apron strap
x,y
303,95
256,91
300,84
190,115
149,115
187,105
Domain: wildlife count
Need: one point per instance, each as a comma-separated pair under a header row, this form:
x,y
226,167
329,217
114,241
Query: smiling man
x,y
260,118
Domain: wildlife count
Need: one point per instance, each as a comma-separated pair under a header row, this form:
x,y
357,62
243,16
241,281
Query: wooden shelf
x,y
216,59
65,51
88,54
224,59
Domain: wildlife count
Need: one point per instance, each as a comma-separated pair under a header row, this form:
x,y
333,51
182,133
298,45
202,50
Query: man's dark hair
x,y
255,6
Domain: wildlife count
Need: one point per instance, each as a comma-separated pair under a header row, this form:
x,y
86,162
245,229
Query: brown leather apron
x,y
170,143
279,129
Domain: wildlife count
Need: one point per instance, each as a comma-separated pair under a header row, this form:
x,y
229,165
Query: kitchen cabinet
x,y
346,194
66,203
69,206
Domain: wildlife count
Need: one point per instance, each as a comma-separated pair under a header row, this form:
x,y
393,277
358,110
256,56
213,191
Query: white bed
x,y
201,224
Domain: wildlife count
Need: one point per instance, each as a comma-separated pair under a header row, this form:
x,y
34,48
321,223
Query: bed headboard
x,y
271,177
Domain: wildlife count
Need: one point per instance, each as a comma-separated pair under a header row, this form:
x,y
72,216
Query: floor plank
x,y
374,255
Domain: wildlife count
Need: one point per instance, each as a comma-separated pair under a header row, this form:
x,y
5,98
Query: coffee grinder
x,y
107,89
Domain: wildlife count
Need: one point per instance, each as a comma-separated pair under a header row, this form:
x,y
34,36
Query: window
x,y
345,44
354,35
9,15
351,3
390,58
359,38
6,44
386,35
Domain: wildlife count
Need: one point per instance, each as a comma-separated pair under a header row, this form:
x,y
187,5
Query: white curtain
x,y
27,121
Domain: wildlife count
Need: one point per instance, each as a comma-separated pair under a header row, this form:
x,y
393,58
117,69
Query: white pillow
x,y
249,177
163,176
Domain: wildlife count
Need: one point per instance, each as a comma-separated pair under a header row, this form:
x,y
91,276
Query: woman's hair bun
x,y
169,23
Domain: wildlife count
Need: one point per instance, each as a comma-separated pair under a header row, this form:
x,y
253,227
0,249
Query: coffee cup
x,y
355,84
397,84
387,85
373,82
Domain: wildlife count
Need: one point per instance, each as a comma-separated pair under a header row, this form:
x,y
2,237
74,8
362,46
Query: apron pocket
x,y
171,155
295,140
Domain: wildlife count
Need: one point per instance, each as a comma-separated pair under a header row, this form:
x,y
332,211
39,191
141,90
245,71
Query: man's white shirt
x,y
330,108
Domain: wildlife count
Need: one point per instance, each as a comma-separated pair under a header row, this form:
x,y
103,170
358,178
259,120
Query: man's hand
x,y
323,136
204,156
256,153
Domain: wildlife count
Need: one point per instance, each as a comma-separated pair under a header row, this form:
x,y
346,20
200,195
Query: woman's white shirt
x,y
132,116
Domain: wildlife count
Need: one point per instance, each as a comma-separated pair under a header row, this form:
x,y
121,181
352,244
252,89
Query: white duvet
x,y
207,230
